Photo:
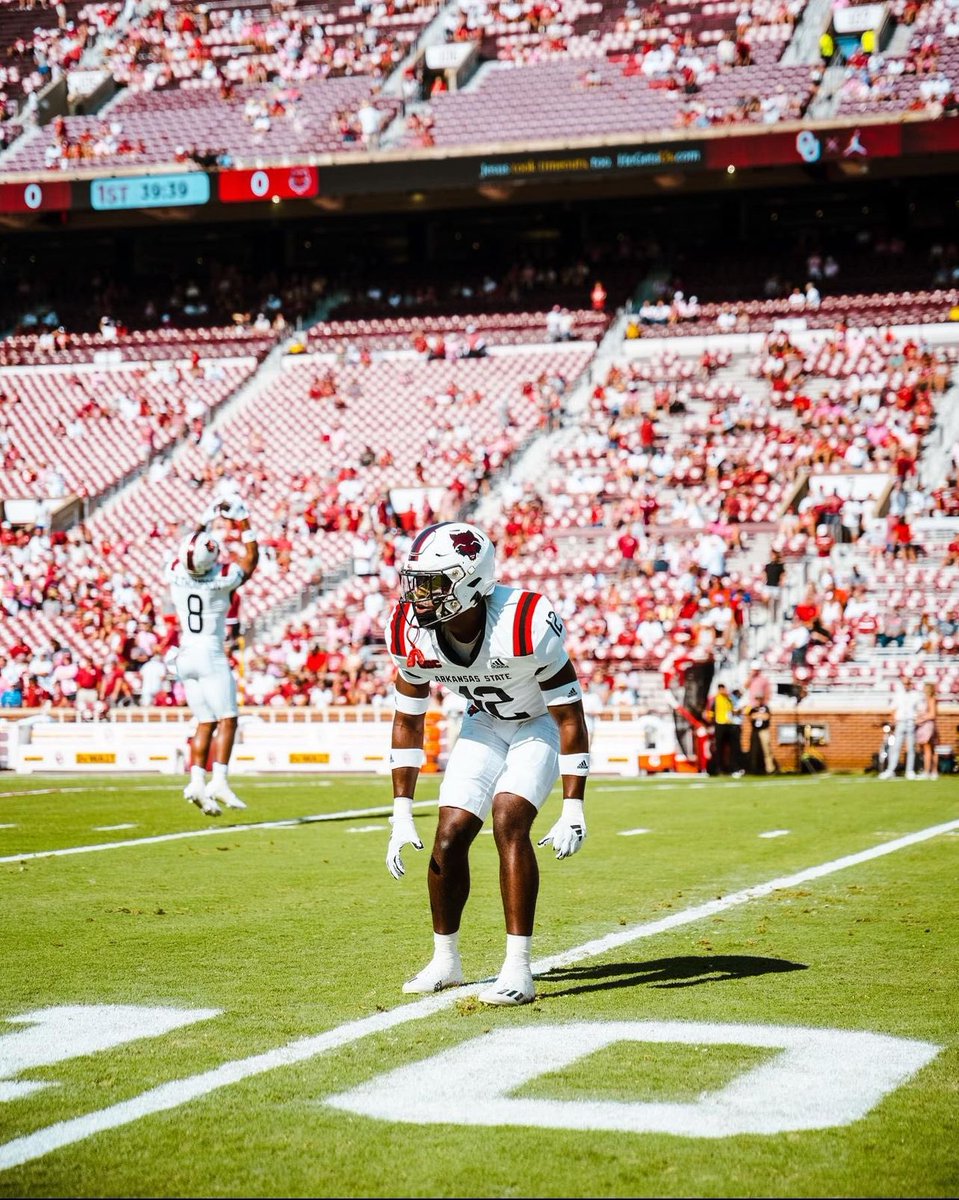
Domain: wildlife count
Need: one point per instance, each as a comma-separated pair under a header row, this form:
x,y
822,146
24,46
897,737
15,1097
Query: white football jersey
x,y
522,646
202,604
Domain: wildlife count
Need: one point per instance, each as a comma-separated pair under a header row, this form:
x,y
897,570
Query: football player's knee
x,y
511,822
449,844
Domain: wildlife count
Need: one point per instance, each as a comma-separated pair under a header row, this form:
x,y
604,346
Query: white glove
x,y
210,514
235,509
404,832
569,832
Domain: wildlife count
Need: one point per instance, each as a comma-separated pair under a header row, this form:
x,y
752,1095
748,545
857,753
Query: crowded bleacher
x,y
652,490
208,86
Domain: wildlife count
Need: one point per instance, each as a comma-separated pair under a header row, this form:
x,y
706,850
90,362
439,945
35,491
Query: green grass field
x,y
696,1033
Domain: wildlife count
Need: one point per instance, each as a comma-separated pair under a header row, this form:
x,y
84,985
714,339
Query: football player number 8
x,y
194,608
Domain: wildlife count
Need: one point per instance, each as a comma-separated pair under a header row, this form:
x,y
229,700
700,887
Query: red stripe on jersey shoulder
x,y
225,569
398,631
523,623
174,564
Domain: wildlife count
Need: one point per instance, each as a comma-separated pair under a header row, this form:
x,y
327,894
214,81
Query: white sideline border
x,y
382,810
177,1092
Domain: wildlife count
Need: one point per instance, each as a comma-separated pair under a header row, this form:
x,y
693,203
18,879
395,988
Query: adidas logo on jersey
x,y
497,664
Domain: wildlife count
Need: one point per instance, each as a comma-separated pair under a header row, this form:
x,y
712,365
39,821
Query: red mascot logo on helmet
x,y
466,543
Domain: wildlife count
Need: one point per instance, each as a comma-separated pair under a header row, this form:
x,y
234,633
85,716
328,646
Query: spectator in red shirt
x,y
316,660
87,680
628,546
115,688
34,695
902,543
807,609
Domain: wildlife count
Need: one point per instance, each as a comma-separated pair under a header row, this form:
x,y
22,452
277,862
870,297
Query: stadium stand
x,y
638,465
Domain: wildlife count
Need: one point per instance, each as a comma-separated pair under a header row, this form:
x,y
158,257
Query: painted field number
x,y
55,1035
821,1078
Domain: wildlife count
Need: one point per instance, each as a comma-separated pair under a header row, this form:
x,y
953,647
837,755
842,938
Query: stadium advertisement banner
x,y
281,183
71,752
478,170
857,144
410,175
35,197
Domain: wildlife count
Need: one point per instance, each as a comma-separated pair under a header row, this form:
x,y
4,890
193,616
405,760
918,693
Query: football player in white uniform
x,y
201,588
502,649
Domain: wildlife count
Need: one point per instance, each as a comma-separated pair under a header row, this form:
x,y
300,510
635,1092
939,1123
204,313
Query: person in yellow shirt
x,y
827,47
727,730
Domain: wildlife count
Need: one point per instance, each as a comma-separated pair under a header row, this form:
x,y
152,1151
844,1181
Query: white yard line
x,y
98,788
90,787
180,1091
665,783
211,831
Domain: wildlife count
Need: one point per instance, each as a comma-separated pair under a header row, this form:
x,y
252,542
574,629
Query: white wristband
x,y
411,706
402,807
247,536
407,758
573,811
574,764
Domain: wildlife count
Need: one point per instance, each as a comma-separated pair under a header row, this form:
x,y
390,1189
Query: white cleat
x,y
225,794
435,977
197,795
513,987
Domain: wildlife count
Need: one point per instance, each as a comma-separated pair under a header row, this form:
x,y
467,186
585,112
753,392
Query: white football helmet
x,y
448,570
200,554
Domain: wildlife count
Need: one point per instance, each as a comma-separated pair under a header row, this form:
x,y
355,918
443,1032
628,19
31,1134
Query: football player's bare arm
x,y
574,740
569,832
571,719
251,550
406,757
408,730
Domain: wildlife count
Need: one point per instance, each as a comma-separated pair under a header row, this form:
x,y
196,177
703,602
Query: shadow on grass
x,y
687,970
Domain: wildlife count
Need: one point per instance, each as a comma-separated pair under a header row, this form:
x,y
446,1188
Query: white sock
x,y
446,947
197,776
219,772
518,950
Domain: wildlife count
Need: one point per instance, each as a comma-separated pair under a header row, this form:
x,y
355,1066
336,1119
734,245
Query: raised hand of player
x,y
235,509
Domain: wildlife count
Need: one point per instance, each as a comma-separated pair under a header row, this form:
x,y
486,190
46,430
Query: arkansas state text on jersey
x,y
522,644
